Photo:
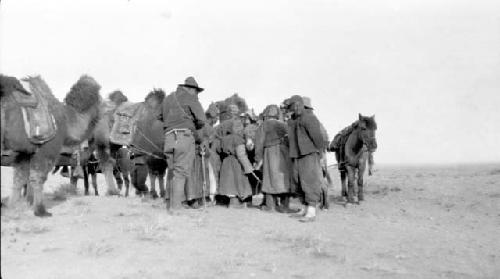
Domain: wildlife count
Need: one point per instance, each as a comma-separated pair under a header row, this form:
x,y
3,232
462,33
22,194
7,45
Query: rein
x,y
142,150
146,138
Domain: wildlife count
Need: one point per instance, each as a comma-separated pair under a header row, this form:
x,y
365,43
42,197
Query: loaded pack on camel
x,y
136,126
38,123
34,134
354,147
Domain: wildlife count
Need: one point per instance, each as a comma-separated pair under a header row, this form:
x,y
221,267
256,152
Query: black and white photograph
x,y
145,139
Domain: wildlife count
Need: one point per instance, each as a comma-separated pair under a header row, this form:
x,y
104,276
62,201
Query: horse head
x,y
367,127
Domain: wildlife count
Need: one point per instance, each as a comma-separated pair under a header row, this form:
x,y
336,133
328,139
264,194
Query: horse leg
x,y
343,177
118,178
126,178
21,174
86,180
351,175
361,172
94,183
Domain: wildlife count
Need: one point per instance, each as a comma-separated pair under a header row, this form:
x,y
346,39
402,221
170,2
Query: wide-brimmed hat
x,y
191,83
307,102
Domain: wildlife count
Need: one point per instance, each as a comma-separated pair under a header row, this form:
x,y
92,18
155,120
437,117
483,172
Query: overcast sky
x,y
428,70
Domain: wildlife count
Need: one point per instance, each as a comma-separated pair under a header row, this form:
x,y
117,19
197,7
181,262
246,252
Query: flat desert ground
x,y
416,222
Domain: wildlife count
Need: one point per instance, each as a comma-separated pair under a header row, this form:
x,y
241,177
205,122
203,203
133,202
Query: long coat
x,y
233,181
305,135
271,146
194,189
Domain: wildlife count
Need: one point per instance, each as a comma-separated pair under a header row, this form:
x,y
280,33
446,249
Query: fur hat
x,y
239,102
212,111
272,111
117,97
294,99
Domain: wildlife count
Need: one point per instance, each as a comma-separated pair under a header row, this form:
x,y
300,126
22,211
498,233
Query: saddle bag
x,y
39,124
125,121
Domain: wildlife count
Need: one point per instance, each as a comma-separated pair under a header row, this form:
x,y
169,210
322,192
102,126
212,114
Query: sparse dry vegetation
x,y
409,226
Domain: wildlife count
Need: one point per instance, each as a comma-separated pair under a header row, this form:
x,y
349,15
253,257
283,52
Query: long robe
x,y
271,146
194,188
233,181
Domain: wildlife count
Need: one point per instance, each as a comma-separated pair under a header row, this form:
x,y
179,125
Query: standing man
x,y
182,115
306,143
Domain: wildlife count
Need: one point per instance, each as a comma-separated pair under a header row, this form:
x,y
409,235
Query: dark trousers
x,y
307,178
180,151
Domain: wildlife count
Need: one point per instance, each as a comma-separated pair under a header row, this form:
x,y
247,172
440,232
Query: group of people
x,y
279,154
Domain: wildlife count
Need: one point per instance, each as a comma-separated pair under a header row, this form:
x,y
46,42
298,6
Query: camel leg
x,y
152,180
343,180
161,181
351,175
21,174
110,180
37,177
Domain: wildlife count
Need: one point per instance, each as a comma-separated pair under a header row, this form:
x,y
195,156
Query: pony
x,y
353,147
75,120
147,143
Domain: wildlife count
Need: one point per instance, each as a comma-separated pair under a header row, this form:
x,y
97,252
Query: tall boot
x,y
263,203
234,202
176,193
270,203
285,205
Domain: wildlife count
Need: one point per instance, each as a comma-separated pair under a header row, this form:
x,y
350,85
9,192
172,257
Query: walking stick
x,y
202,153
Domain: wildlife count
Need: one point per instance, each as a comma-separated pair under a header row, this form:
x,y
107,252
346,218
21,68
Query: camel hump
x,y
20,91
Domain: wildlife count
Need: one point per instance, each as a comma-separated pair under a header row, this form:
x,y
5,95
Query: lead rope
x,y
150,142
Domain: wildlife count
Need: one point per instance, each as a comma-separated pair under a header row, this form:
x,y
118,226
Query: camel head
x,y
83,109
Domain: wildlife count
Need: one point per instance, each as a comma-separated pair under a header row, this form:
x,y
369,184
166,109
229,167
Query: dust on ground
x,y
416,222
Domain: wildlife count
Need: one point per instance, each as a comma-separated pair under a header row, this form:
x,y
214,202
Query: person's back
x,y
182,110
182,115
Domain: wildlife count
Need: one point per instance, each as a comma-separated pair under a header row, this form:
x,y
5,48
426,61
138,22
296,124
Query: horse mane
x,y
157,93
83,94
370,123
